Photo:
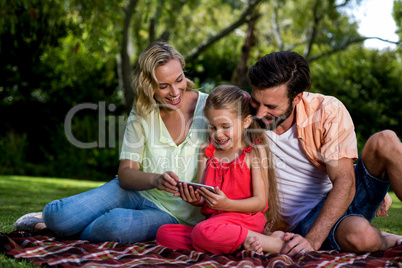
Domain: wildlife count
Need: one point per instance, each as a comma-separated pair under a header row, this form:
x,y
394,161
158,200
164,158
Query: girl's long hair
x,y
145,83
237,101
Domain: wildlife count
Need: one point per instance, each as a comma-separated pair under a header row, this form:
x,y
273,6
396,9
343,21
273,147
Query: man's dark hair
x,y
278,68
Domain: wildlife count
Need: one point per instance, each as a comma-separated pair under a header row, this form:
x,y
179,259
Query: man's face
x,y
271,106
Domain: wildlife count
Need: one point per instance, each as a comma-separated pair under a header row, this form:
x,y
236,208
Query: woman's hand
x,y
167,182
189,195
217,201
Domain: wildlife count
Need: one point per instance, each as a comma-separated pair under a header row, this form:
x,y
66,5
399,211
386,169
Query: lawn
x,y
20,195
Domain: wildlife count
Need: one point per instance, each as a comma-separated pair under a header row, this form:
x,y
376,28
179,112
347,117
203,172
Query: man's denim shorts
x,y
370,192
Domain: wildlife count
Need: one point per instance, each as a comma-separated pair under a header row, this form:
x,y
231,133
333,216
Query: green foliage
x,y
368,83
54,64
208,72
56,55
12,150
72,161
397,14
300,23
183,26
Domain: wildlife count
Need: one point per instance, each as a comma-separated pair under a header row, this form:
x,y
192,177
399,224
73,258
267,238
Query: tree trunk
x,y
239,76
124,65
313,30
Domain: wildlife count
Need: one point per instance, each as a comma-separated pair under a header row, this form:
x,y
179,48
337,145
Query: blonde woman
x,y
163,134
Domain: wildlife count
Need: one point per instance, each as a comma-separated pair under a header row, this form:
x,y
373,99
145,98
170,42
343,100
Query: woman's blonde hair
x,y
237,102
145,83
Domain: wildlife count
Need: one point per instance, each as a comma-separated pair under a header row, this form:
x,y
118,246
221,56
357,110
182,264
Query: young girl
x,y
236,162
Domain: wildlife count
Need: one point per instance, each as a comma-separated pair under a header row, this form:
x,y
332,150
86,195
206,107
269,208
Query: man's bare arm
x,y
341,196
341,174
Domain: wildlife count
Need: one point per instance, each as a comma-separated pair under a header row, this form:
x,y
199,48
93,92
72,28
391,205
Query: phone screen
x,y
198,185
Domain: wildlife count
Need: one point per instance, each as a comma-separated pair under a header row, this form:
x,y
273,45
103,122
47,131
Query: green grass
x,y
20,195
393,223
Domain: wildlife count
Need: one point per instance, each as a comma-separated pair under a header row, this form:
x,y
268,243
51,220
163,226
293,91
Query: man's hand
x,y
296,245
167,182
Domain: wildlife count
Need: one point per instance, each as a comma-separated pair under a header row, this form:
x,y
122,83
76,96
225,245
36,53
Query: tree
x,y
397,14
59,54
169,7
48,66
368,83
239,76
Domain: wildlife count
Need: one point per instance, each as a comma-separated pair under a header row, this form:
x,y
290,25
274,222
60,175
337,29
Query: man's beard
x,y
277,120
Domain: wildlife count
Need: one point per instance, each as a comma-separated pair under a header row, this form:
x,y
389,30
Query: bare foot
x,y
264,243
278,234
252,243
392,240
385,204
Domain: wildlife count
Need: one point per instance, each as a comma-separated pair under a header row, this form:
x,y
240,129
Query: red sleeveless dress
x,y
223,232
233,178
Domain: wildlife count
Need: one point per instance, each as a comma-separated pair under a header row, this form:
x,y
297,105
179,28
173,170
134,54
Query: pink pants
x,y
220,234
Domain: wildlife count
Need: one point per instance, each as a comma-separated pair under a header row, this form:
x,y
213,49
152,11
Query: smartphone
x,y
198,185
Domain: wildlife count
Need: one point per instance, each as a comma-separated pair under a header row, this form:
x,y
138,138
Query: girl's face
x,y
226,129
172,84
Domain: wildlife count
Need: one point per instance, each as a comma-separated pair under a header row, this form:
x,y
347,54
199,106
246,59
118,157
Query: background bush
x,y
56,55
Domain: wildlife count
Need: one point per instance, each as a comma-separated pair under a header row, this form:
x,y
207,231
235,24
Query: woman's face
x,y
172,84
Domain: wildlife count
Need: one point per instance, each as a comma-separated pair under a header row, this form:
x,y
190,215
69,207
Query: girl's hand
x,y
189,195
216,201
167,182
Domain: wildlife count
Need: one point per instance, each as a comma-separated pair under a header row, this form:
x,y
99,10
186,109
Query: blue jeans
x,y
106,213
370,191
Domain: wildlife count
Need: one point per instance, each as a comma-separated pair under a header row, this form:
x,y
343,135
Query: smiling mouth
x,y
175,100
221,143
267,121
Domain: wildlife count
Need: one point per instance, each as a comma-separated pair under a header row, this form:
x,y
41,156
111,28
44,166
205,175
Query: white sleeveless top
x,y
301,186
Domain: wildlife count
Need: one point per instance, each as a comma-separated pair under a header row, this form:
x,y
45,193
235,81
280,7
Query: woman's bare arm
x,y
131,178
